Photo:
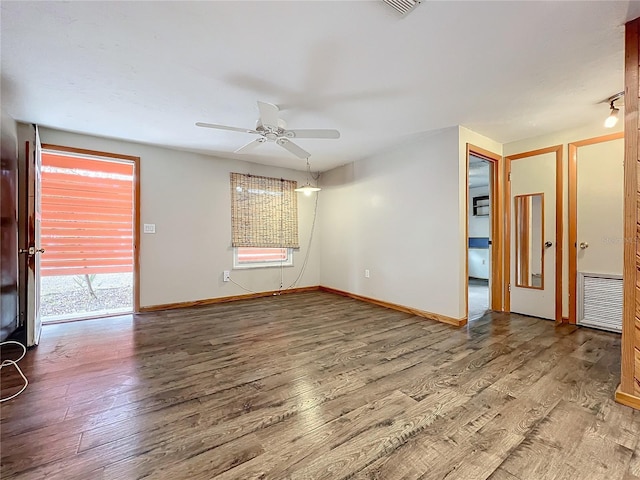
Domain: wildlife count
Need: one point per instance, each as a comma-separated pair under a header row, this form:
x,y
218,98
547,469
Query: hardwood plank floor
x,y
318,386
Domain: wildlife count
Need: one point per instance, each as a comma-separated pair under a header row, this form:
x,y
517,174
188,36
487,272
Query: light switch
x,y
149,228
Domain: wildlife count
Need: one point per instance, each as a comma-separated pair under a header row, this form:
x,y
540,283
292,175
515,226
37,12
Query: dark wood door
x,y
9,232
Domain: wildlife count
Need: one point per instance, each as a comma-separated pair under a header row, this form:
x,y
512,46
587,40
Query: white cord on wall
x,y
241,286
7,363
306,257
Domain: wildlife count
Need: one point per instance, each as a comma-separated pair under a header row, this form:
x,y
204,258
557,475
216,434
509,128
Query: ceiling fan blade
x,y
293,148
250,146
225,127
312,133
268,114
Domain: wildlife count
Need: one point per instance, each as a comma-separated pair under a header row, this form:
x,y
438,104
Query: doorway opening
x,y
88,233
479,236
484,235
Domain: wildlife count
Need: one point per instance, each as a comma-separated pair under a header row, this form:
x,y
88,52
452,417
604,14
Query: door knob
x,y
31,251
584,245
548,244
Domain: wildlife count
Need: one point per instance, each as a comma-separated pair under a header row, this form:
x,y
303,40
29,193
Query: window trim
x,y
270,264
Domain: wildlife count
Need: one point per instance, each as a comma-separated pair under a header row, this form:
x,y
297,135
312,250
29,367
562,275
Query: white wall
x,y
9,139
396,214
402,215
187,196
562,138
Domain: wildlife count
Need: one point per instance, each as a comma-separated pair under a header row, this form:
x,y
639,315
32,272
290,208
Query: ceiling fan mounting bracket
x,y
281,125
271,133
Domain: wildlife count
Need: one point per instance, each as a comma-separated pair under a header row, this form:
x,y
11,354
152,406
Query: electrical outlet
x,y
226,276
366,273
149,228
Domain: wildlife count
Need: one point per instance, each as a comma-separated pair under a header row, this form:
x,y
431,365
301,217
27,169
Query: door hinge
x,y
509,287
509,177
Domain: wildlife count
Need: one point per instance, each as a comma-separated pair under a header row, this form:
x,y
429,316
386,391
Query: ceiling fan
x,y
271,128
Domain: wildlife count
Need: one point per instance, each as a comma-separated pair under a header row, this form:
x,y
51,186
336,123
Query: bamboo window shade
x,y
264,212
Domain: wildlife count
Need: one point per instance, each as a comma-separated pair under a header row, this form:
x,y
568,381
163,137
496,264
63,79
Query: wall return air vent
x,y
402,6
600,301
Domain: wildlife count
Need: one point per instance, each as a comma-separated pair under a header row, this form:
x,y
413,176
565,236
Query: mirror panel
x,y
529,233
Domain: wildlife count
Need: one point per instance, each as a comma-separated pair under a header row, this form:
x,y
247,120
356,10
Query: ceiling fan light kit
x,y
271,128
307,188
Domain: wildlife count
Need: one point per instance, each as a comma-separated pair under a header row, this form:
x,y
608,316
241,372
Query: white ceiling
x,y
147,71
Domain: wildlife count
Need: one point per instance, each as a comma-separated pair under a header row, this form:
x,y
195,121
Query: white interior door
x,y
600,217
600,195
533,235
34,250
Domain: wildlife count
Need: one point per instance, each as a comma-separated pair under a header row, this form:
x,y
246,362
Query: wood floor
x,y
318,386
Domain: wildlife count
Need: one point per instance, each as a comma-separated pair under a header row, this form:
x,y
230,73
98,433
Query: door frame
x,y
496,183
136,213
28,240
573,217
557,149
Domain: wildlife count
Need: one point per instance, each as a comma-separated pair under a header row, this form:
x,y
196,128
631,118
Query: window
x,y
264,212
264,221
251,257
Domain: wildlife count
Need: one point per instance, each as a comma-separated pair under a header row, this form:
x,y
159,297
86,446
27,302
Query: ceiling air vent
x,y
402,6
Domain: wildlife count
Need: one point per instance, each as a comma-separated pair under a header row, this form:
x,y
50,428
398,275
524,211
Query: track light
x,y
307,188
612,119
614,113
